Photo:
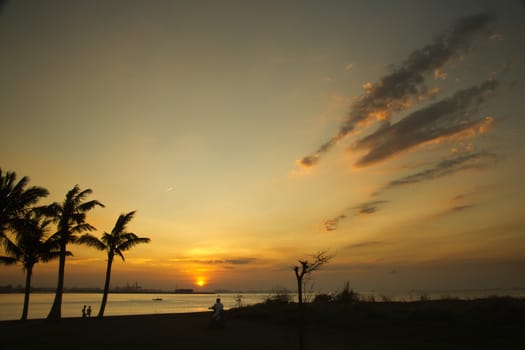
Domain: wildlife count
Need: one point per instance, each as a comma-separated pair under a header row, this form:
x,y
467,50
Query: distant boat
x,y
157,299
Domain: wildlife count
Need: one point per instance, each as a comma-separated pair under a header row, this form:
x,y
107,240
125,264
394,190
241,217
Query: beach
x,y
448,324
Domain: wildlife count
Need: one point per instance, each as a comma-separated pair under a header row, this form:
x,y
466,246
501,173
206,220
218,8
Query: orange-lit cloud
x,y
443,119
393,92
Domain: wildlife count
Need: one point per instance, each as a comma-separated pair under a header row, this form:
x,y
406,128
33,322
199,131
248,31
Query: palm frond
x,y
129,243
11,248
15,199
87,206
80,195
82,227
51,244
33,195
119,253
45,257
107,239
19,186
77,217
122,221
7,260
72,194
52,211
92,241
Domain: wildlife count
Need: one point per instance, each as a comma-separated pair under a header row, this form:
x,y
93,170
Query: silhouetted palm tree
x,y
114,243
29,247
70,217
15,199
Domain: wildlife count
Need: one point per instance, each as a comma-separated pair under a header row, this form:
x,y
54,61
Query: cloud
x,y
443,119
365,244
239,261
219,261
369,207
363,208
399,89
471,161
474,192
461,207
332,224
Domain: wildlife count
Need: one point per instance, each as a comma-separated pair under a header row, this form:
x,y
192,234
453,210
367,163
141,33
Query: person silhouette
x,y
84,312
89,311
217,318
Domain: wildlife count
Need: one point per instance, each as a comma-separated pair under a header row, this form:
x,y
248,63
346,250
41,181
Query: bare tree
x,y
306,267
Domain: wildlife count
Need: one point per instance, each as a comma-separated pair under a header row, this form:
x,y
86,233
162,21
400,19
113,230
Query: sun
x,y
201,281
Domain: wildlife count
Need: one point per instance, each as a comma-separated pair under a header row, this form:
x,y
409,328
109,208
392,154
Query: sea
x,y
149,303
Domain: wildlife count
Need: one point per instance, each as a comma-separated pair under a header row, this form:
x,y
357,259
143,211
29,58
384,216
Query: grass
x,y
429,324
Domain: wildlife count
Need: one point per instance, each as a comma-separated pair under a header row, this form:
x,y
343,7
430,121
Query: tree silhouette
x,y
29,247
114,243
70,217
305,269
15,199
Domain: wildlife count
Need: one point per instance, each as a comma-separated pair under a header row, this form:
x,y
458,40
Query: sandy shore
x,y
492,324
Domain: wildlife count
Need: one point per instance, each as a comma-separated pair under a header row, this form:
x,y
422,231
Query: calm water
x,y
136,304
118,304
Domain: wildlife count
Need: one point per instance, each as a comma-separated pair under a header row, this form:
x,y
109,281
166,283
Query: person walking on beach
x,y
84,312
89,311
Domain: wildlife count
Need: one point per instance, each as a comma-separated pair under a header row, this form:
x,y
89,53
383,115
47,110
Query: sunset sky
x,y
248,134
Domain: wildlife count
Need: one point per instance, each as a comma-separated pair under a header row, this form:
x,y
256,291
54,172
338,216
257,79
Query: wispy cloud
x,y
218,261
333,224
398,90
447,118
461,208
364,244
474,192
369,207
366,208
458,163
470,161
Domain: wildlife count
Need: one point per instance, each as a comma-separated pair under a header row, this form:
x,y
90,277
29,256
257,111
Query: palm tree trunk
x,y
29,273
56,310
106,287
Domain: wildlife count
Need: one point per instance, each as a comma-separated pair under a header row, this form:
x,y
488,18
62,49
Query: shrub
x,y
347,295
323,298
279,296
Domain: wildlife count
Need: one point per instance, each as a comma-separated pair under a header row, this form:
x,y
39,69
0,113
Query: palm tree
x,y
114,243
29,247
70,217
15,199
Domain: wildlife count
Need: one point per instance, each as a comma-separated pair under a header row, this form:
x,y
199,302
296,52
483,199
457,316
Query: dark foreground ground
x,y
496,323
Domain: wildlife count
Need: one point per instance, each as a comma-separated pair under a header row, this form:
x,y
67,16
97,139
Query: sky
x,y
250,134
